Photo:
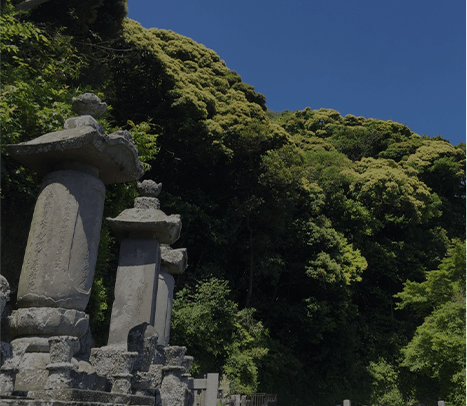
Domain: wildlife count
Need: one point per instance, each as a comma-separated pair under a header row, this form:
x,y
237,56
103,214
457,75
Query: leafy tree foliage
x,y
437,349
221,337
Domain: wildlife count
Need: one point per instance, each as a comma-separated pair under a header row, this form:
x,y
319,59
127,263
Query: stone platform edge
x,y
76,397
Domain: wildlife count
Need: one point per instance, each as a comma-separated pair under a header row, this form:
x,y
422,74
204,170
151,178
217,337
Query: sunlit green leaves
x,y
394,194
438,346
219,335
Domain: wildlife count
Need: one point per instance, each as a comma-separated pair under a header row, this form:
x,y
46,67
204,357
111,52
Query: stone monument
x,y
140,231
61,252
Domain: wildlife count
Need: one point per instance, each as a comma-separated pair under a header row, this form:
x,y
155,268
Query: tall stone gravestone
x,y
141,230
61,252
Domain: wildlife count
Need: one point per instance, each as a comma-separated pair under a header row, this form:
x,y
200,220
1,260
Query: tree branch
x,y
29,4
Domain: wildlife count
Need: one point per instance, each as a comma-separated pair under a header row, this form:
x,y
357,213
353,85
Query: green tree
x,y
437,349
441,166
218,335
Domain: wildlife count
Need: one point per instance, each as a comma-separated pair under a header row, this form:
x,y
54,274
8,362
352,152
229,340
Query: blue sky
x,y
400,60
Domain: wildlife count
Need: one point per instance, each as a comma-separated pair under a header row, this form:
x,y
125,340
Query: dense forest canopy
x,y
326,253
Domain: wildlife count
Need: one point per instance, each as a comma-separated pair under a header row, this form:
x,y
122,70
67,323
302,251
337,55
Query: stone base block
x,y
32,373
112,360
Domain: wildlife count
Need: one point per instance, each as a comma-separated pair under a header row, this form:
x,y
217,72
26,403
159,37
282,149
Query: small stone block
x,y
88,104
173,261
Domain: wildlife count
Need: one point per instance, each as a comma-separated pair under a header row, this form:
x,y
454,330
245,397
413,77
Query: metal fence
x,y
259,399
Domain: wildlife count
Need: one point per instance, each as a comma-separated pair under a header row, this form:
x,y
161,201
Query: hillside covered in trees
x,y
326,253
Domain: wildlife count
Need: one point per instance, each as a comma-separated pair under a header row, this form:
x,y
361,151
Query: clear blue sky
x,y
400,60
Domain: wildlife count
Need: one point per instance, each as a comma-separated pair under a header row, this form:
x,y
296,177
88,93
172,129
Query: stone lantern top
x,y
146,220
83,145
149,188
88,104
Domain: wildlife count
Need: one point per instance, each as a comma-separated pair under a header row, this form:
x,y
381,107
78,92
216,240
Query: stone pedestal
x,y
35,325
33,373
61,350
175,355
174,390
115,362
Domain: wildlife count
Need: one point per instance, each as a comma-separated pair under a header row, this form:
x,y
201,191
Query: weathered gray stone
x,y
7,380
5,348
113,155
117,364
47,321
149,188
5,352
186,363
156,372
159,356
89,380
143,340
121,383
59,375
173,261
112,360
61,252
174,391
62,348
4,294
88,104
11,360
148,383
83,121
8,370
147,203
135,287
86,342
164,302
33,372
175,356
149,222
33,343
75,397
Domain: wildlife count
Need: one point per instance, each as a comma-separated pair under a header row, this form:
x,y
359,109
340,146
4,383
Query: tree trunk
x,y
250,276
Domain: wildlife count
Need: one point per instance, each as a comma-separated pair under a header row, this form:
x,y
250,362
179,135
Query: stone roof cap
x,y
146,222
115,155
